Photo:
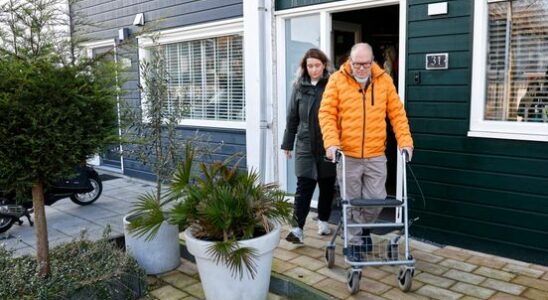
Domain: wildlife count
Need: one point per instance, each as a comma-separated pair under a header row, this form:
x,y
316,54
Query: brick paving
x,y
441,273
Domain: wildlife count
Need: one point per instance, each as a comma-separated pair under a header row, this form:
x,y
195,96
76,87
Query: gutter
x,y
263,123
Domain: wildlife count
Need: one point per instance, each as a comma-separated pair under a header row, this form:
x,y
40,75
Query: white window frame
x,y
191,33
485,128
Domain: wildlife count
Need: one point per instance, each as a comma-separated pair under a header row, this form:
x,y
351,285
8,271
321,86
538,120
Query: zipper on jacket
x,y
363,131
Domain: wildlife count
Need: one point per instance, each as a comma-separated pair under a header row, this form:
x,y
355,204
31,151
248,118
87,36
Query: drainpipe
x,y
263,123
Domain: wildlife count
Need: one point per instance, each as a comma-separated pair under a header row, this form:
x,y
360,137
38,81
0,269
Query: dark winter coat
x,y
302,122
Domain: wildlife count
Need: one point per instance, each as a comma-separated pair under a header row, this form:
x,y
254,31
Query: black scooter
x,y
84,189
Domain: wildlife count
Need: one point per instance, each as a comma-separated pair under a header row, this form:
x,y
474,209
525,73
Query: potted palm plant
x,y
232,224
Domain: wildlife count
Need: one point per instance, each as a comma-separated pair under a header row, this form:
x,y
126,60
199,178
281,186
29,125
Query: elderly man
x,y
352,116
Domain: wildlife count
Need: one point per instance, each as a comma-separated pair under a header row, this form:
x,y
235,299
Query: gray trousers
x,y
365,179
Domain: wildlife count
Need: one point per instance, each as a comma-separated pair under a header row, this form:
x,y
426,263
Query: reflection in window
x,y
207,76
517,62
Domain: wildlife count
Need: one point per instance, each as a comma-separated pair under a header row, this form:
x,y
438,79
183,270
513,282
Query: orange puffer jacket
x,y
354,119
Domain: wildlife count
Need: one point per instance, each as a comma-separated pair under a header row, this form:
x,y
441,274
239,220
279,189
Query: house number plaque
x,y
437,61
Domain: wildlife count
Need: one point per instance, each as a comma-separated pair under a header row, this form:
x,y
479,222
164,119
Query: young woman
x,y
310,166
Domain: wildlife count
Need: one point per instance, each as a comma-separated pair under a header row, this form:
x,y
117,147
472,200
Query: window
x,y
514,43
206,69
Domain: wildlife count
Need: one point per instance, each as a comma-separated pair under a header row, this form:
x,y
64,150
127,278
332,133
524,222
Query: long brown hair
x,y
313,53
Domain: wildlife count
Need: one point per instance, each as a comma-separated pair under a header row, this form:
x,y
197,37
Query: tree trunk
x,y
40,229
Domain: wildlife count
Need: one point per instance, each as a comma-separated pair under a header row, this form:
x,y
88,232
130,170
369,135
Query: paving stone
x,y
397,294
336,273
438,293
503,286
428,257
178,279
372,286
188,268
284,254
361,295
393,282
375,273
496,274
195,290
469,298
472,290
332,287
513,261
307,262
459,265
314,243
190,298
280,266
503,296
431,268
452,252
168,292
304,275
464,276
523,270
535,294
312,252
540,268
425,247
531,282
434,280
488,261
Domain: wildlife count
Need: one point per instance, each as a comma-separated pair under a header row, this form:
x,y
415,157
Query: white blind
x,y
517,64
207,76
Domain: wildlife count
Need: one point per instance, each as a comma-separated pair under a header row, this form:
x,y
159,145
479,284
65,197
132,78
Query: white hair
x,y
360,46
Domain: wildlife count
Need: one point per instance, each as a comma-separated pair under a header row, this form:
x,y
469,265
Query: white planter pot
x,y
217,280
159,255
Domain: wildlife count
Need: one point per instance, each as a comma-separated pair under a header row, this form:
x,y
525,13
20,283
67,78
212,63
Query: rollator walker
x,y
388,252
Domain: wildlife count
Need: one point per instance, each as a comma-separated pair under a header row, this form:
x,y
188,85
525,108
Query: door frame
x,y
96,159
278,49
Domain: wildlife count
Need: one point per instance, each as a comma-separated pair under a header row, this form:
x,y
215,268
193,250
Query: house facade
x,y
472,75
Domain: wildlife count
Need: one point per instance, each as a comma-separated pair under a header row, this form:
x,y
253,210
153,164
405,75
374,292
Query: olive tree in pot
x,y
150,132
232,225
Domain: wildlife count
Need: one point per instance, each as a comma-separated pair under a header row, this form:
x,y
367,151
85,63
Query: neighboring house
x,y
479,122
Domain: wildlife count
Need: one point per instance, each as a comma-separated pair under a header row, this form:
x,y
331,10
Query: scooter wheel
x,y
89,198
5,224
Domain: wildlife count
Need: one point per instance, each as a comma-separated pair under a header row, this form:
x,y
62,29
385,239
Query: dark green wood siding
x,y
485,194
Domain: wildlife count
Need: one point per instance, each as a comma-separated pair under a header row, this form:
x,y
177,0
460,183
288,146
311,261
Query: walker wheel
x,y
330,256
405,279
353,281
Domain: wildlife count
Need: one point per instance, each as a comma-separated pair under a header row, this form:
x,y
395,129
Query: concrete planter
x,y
159,255
217,280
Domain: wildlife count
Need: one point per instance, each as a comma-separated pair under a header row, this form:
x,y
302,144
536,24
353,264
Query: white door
x,y
299,34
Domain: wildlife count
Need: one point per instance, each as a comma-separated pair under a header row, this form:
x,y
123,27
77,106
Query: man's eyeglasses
x,y
364,65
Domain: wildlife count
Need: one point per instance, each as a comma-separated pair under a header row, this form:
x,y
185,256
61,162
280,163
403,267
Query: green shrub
x,y
91,269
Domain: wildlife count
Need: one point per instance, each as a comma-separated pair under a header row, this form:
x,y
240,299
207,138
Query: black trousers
x,y
303,197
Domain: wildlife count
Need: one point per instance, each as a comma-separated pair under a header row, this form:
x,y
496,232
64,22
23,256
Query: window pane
x,y
517,64
207,77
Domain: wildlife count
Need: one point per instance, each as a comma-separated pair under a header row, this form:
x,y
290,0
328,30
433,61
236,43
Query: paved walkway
x,y
442,273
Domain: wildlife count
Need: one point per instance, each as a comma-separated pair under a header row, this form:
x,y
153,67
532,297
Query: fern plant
x,y
222,204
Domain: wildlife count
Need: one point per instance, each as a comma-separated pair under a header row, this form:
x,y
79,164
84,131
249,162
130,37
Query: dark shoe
x,y
354,253
367,245
295,236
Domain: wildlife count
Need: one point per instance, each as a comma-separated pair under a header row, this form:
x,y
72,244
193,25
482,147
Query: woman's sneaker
x,y
323,228
295,236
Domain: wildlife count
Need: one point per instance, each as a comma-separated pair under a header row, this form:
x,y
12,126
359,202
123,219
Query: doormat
x,y
105,177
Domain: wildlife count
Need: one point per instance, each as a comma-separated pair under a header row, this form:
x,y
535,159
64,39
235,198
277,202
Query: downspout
x,y
262,87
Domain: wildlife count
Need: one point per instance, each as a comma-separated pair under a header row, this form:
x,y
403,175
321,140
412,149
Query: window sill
x,y
508,136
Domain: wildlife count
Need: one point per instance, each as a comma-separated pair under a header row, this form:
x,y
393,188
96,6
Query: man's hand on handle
x,y
409,151
331,153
